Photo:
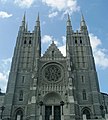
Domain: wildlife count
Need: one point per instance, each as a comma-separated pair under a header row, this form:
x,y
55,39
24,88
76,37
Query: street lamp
x,y
2,109
62,103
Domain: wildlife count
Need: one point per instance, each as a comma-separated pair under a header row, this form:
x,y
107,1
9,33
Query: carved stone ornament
x,y
52,73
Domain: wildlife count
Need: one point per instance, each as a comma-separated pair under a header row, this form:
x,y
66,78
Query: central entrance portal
x,y
52,111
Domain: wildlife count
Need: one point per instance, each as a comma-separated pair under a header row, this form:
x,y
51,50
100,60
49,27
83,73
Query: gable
x,y
53,52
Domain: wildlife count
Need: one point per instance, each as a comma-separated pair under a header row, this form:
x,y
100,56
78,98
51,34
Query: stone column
x,y
41,104
62,114
52,112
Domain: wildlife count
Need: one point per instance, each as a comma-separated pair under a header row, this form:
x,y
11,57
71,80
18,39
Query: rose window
x,y
52,73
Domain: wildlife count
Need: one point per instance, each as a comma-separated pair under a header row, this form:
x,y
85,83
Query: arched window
x,y
29,41
24,41
75,41
19,115
80,40
87,113
84,95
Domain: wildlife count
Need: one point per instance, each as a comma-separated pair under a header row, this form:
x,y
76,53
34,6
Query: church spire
x,y
68,21
23,24
38,17
38,21
69,26
68,34
82,21
83,26
24,20
37,32
37,27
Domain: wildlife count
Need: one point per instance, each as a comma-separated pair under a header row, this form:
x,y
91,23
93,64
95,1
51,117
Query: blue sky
x,y
53,16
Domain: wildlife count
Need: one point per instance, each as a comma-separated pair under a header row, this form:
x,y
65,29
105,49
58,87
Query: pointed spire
x,y
69,26
38,21
83,27
23,24
68,17
37,35
24,20
38,17
82,21
37,26
68,21
52,41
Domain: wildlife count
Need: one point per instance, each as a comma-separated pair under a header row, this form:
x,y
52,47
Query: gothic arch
x,y
52,98
87,112
19,113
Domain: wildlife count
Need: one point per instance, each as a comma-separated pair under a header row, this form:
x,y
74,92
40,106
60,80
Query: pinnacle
x,y
38,17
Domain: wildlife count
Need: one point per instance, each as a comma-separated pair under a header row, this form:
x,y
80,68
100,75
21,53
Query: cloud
x,y
2,77
47,39
100,54
62,47
7,61
4,14
4,72
53,14
24,3
3,81
65,6
3,1
95,41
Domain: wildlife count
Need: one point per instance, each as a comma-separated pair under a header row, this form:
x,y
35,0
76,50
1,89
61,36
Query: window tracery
x,y
52,73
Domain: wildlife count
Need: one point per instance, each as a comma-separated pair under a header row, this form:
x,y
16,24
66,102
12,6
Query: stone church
x,y
53,86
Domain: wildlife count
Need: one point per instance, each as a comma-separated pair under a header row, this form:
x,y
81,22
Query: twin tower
x,y
52,87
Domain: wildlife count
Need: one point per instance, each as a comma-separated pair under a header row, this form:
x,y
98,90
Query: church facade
x,y
52,87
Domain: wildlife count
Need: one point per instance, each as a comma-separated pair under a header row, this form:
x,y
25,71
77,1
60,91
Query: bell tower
x,y
85,81
21,83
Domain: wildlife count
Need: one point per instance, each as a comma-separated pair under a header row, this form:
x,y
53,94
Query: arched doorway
x,y
52,106
86,111
19,114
